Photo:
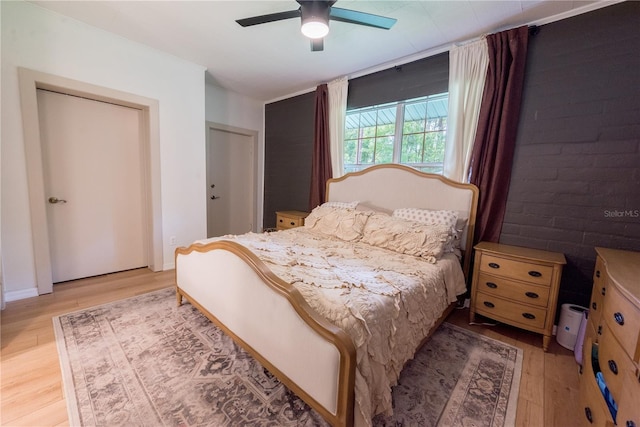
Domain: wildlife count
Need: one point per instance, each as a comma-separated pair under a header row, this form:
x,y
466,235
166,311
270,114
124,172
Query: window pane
x,y
350,151
351,133
412,148
366,152
368,132
434,147
384,150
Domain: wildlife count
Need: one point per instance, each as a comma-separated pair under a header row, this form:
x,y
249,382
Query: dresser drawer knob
x,y
489,304
491,285
531,294
600,330
534,273
603,291
597,273
613,367
630,423
619,318
494,265
594,305
528,316
292,223
587,413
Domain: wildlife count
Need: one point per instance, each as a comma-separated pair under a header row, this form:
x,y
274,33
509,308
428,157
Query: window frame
x,y
400,106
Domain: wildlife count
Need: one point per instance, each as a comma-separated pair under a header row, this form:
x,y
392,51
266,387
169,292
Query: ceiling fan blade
x,y
317,45
263,19
361,18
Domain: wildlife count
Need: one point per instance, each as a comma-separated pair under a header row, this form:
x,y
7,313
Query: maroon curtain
x,y
321,159
494,144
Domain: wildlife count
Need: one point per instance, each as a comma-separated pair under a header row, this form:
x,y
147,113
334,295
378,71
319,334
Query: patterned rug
x,y
145,362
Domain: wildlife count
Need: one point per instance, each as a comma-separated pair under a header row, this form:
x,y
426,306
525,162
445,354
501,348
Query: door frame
x,y
253,134
29,81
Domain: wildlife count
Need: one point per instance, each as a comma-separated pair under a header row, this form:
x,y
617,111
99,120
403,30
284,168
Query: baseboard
x,y
21,294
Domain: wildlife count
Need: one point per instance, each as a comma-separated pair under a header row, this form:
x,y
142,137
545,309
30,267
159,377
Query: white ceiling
x,y
273,60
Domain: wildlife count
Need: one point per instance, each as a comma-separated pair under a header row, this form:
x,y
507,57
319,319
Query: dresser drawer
x,y
516,269
517,291
629,404
623,319
510,312
290,219
598,292
593,409
614,362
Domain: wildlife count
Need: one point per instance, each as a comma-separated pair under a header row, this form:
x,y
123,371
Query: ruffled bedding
x,y
385,300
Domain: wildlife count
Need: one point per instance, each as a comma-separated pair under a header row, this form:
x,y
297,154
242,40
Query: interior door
x,y
230,178
93,172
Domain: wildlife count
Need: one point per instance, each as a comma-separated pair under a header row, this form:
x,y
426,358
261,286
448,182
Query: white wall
x,y
234,109
38,39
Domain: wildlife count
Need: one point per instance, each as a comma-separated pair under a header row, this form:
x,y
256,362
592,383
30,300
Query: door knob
x,y
54,200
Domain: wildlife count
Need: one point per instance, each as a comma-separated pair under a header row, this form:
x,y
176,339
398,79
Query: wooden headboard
x,y
393,186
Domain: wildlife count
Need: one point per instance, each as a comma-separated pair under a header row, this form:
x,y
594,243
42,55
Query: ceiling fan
x,y
315,16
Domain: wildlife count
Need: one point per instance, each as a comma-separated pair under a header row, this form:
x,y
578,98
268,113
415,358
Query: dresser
x,y
517,286
290,219
611,349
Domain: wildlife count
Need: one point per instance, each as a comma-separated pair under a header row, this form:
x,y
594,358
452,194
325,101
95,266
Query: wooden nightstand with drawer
x,y
517,286
290,219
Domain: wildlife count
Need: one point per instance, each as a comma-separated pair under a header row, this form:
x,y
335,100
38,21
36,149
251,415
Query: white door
x,y
230,178
92,165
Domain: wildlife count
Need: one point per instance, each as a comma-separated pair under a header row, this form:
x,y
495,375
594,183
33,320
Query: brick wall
x,y
576,174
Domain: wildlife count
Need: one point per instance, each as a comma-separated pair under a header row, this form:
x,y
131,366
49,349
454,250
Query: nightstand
x,y
290,219
517,286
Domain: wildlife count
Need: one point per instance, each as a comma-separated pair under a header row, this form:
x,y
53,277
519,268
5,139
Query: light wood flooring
x,y
31,383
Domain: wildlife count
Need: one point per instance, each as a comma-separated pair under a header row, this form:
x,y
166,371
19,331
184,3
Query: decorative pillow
x,y
406,237
344,205
345,224
443,217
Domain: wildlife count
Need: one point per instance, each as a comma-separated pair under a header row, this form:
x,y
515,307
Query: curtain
x,y
337,113
321,157
467,74
494,144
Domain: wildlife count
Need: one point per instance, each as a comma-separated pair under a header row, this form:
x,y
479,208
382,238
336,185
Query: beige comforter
x,y
385,301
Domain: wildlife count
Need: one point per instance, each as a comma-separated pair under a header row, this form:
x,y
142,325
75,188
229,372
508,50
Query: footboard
x,y
269,318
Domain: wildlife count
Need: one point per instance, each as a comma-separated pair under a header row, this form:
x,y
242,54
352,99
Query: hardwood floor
x,y
31,383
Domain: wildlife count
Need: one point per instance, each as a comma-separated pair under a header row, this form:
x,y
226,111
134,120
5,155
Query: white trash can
x,y
569,325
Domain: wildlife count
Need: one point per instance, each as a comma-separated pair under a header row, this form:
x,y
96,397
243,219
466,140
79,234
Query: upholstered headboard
x,y
392,186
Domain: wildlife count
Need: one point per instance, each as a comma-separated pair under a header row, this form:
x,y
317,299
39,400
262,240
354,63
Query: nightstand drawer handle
x,y
613,367
528,316
597,273
619,318
491,285
494,265
292,223
587,413
531,294
535,273
489,304
281,221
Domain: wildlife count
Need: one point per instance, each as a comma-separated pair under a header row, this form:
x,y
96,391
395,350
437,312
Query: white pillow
x,y
345,224
432,217
406,237
344,205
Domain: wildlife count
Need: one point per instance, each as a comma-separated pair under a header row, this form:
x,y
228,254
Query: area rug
x,y
143,361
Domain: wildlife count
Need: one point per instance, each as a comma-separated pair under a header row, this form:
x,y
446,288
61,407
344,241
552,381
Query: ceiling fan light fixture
x,y
314,28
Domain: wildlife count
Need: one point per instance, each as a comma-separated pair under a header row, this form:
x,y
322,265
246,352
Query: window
x,y
411,132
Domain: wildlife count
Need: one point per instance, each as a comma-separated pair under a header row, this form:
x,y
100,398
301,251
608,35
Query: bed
x,y
256,296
